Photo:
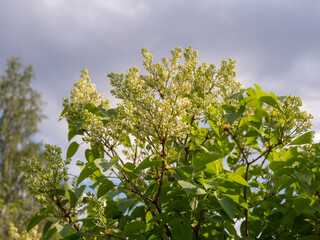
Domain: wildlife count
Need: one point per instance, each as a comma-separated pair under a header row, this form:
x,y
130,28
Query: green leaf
x,y
63,113
210,185
231,229
290,154
228,206
46,235
149,162
232,116
79,124
71,197
289,218
203,158
233,177
72,149
257,86
309,189
303,139
78,192
91,108
64,229
125,141
270,101
214,167
134,228
73,132
40,215
255,228
300,204
283,182
260,113
109,113
193,203
148,217
190,188
105,186
238,96
306,176
124,204
186,119
214,128
86,172
181,231
46,227
104,164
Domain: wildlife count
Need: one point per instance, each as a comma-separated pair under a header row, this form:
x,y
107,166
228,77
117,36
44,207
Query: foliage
x,y
20,113
187,154
32,235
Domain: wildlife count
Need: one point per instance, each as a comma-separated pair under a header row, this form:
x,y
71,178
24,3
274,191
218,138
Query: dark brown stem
x,y
157,200
125,176
266,152
198,226
234,138
187,149
67,215
248,163
163,169
246,200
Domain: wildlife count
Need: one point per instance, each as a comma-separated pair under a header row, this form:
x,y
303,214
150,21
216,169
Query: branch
x,y
66,215
246,200
197,228
234,138
163,169
186,140
125,176
262,200
266,152
156,201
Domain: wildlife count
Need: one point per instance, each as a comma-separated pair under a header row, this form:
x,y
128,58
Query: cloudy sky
x,y
276,43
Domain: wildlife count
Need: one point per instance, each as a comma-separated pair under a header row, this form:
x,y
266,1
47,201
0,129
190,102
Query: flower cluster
x,y
76,113
296,121
156,104
43,180
289,120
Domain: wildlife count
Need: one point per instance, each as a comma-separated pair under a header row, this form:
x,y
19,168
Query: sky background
x,y
275,43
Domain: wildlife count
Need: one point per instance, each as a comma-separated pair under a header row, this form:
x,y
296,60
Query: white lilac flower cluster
x,y
155,105
75,108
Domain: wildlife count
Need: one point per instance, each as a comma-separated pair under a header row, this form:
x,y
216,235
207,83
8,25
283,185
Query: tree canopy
x,y
20,115
187,154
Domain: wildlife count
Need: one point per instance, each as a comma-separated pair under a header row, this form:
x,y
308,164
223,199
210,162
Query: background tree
x,y
20,114
187,154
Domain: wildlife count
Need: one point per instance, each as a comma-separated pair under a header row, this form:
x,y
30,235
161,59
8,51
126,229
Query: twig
x,y
198,226
262,200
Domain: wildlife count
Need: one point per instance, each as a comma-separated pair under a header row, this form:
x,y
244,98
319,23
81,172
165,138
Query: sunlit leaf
x,y
104,165
190,188
237,178
303,139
